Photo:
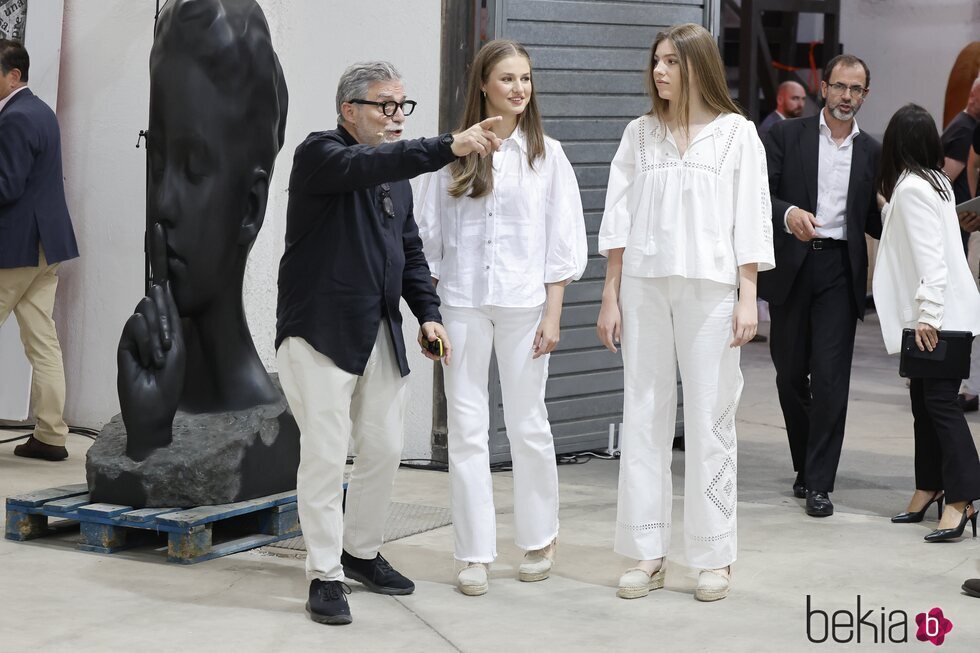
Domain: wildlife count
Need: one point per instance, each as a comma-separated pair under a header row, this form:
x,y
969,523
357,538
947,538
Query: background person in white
x,y
921,282
686,227
503,237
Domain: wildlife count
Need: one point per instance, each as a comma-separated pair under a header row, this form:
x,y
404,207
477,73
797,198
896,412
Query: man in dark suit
x,y
821,175
35,236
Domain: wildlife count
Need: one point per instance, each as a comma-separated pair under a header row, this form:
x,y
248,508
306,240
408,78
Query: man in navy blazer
x,y
821,175
35,237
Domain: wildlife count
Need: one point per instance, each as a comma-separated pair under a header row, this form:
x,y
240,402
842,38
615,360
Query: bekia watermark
x,y
874,625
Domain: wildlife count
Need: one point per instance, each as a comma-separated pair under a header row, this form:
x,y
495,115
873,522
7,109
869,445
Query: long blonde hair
x,y
695,48
475,174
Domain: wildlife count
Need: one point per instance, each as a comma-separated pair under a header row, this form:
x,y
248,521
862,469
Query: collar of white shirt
x,y
7,99
518,138
825,130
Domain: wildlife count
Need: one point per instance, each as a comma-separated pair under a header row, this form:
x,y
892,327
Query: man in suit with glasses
x,y
352,251
821,175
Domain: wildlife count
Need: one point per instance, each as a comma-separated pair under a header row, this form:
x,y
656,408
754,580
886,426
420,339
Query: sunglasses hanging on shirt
x,y
387,205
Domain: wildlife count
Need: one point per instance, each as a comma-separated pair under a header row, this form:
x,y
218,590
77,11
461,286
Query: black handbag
x,y
949,360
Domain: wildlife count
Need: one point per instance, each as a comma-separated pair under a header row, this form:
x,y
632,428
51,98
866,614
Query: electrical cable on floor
x,y
91,434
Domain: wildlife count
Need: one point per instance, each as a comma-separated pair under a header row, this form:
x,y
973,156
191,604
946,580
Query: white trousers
x,y
510,333
330,406
687,322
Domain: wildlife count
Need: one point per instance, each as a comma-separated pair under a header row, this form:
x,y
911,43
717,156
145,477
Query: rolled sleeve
x,y
753,205
567,245
922,223
428,215
616,221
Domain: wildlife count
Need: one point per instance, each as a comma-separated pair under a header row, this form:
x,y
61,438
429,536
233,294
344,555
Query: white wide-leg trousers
x,y
331,406
509,332
688,322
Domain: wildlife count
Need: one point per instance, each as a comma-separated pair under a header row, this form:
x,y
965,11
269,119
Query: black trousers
x,y
945,455
812,343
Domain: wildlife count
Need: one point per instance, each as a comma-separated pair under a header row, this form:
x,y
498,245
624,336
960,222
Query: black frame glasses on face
x,y
389,107
856,90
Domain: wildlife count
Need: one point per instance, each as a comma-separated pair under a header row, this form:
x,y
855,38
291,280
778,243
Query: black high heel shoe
x,y
943,534
916,517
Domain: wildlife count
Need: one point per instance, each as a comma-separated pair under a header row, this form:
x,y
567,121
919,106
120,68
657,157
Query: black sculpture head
x,y
217,121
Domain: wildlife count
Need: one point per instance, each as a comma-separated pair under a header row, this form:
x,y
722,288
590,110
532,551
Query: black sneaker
x,y
377,575
328,602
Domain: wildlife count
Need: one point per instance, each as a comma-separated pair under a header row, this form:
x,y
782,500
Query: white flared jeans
x,y
331,407
687,322
509,332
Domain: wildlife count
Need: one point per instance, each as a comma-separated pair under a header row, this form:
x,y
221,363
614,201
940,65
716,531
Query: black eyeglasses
x,y
387,205
856,90
389,107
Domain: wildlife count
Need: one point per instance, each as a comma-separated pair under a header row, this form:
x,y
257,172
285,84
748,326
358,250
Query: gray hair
x,y
358,77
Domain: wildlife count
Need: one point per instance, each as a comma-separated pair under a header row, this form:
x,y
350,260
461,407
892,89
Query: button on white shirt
x,y
699,216
501,249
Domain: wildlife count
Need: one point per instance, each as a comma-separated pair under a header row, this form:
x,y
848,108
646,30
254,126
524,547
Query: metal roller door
x,y
588,57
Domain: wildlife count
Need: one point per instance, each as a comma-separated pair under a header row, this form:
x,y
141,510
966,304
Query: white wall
x,y
910,46
103,104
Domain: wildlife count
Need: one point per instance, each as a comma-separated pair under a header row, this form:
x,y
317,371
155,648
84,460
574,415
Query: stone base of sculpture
x,y
214,458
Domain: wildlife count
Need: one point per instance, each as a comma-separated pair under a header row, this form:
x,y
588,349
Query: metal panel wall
x,y
588,58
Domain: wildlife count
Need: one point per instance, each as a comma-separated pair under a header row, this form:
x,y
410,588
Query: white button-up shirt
x,y
833,179
501,249
699,216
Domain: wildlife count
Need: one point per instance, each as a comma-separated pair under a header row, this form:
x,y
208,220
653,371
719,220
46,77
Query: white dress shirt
x,y
699,216
501,249
833,179
7,99
921,274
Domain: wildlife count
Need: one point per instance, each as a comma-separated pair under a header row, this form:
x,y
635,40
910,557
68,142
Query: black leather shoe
x,y
799,489
946,534
916,517
968,404
818,504
328,602
36,449
377,575
972,587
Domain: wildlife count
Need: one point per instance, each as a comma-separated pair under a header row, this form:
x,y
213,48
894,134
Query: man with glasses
x,y
821,175
352,251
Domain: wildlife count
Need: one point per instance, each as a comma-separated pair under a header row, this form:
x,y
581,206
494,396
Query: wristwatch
x,y
447,140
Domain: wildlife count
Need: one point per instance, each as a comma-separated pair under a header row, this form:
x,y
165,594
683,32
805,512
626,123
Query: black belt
x,y
826,243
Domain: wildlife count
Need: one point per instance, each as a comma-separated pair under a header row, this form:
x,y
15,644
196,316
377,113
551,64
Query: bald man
x,y
790,100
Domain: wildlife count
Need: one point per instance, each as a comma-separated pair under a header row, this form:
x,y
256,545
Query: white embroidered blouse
x,y
501,249
699,216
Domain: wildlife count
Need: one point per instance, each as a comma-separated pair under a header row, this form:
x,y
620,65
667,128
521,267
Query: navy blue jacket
x,y
32,188
346,263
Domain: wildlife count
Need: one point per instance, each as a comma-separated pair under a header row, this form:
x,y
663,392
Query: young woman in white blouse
x,y
686,228
503,236
922,282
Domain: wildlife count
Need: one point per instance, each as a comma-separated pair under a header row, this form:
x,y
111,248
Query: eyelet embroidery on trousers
x,y
724,428
637,528
712,538
722,491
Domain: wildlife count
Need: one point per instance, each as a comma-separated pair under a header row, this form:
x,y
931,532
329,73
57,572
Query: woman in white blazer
x,y
922,282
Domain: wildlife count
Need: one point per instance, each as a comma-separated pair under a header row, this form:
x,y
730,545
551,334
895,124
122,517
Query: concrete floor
x,y
57,599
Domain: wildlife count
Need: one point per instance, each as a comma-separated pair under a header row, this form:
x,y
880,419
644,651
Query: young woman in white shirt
x,y
687,227
922,282
503,235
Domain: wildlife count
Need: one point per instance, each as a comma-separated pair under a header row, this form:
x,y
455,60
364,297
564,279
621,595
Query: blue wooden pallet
x,y
191,532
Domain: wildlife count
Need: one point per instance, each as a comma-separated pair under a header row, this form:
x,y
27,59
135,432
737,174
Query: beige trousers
x,y
29,293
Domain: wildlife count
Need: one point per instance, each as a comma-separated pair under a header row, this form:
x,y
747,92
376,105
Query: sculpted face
x,y
844,91
202,182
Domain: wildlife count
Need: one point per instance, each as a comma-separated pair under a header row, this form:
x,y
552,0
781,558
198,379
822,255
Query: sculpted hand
x,y
479,139
428,332
745,322
802,224
151,360
610,325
